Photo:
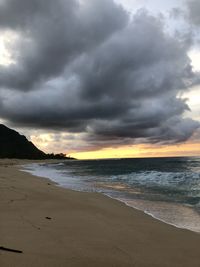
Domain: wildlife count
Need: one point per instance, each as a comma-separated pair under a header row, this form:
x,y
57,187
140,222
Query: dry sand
x,y
83,229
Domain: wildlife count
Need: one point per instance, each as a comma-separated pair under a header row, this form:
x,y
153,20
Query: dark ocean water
x,y
166,188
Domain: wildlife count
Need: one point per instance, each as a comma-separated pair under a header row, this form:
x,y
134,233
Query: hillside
x,y
14,145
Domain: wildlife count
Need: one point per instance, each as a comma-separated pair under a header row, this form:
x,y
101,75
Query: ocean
x,y
166,188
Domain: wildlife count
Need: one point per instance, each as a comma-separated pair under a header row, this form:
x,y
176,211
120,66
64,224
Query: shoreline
x,y
180,223
161,220
83,229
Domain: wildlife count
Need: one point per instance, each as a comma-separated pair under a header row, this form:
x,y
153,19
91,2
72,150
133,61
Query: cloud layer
x,y
87,67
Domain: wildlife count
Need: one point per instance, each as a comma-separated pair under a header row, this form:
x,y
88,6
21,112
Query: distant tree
x,y
58,156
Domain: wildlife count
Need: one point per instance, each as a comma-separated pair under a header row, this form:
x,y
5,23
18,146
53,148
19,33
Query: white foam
x,y
177,215
62,178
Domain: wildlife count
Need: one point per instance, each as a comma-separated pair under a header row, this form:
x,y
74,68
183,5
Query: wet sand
x,y
56,227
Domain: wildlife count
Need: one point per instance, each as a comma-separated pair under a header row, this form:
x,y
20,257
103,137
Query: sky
x,y
102,78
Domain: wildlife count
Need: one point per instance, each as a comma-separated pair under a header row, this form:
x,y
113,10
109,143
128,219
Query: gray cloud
x,y
88,68
194,11
188,12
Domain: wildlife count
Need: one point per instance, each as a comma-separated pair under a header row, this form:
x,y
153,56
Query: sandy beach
x,y
56,227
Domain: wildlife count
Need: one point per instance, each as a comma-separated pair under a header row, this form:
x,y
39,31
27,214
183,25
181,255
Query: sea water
x,y
166,188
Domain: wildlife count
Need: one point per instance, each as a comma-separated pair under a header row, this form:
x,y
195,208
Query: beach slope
x,y
56,227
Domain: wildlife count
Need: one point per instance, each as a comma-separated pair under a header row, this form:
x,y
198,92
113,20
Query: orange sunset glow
x,y
142,150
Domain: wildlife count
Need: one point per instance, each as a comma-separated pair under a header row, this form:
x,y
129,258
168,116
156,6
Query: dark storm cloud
x,y
88,68
53,34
